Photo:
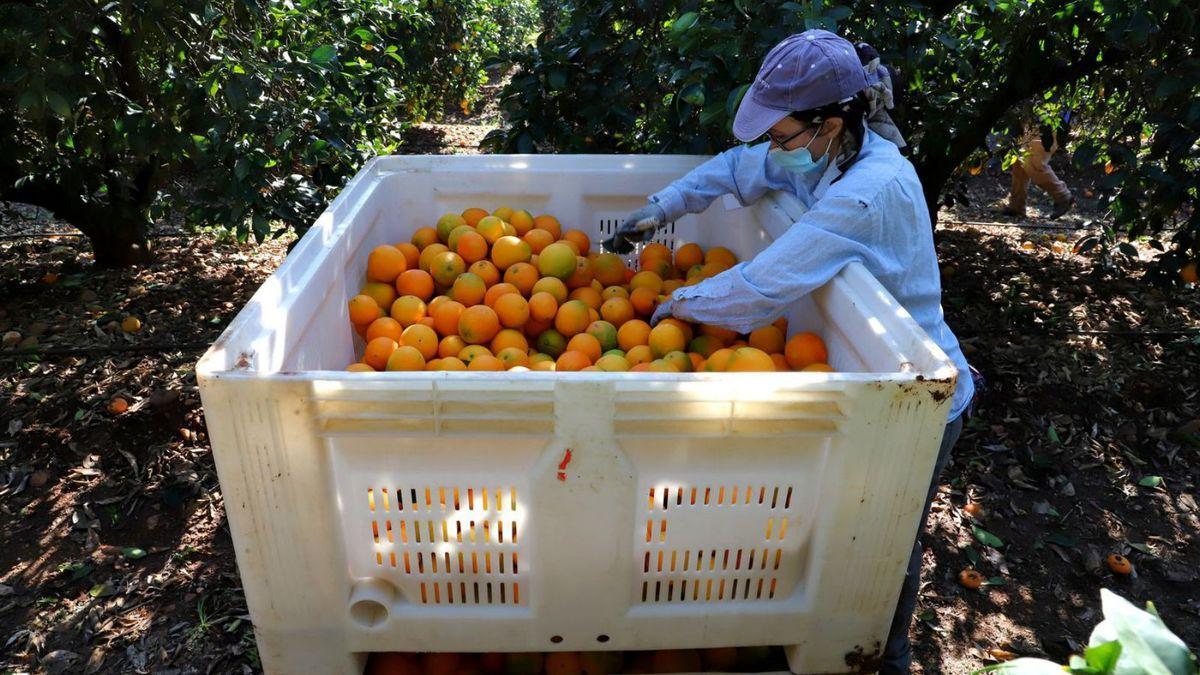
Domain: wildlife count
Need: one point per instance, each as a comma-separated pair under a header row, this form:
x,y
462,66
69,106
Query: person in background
x,y
1034,165
818,108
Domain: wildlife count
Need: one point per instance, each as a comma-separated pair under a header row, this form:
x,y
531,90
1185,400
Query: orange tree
x,y
632,76
244,115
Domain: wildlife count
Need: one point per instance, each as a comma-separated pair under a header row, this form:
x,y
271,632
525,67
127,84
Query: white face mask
x,y
800,161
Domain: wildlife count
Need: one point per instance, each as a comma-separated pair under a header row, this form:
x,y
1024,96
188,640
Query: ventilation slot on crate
x,y
755,564
665,236
450,545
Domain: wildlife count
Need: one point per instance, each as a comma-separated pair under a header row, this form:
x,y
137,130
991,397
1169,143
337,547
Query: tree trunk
x,y
121,244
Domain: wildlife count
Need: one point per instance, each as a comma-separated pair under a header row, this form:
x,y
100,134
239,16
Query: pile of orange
x,y
510,291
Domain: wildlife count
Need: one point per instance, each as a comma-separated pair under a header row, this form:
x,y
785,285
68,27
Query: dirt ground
x,y
117,556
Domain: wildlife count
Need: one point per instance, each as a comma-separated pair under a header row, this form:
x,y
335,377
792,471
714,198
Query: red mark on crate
x,y
562,466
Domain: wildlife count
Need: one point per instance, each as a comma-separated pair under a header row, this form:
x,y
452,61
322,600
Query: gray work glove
x,y
639,226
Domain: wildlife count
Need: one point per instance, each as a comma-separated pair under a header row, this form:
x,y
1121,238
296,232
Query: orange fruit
x,y
535,327
503,213
523,276
498,290
360,329
471,246
970,578
973,509
633,333
580,238
411,254
724,335
445,318
456,236
451,363
385,263
644,301
478,324
118,405
588,296
491,227
392,663
605,333
508,338
781,363
383,294
513,356
363,309
643,367
538,239
473,215
451,345
648,280
471,352
676,661
768,338
698,361
666,337
406,358
468,289
571,361
485,270
615,292
445,267
572,318
1188,274
639,354
653,250
435,364
617,310
781,323
423,338
582,276
721,256
805,349
384,326
542,306
513,310
682,325
551,342
718,361
661,366
659,266
429,253
446,225
1119,564
587,345
816,367
377,352
613,363
750,360
486,362
548,223
557,260
408,310
609,269
424,237
563,663
554,287
508,251
522,222
681,361
688,256
414,282
359,368
704,345
671,285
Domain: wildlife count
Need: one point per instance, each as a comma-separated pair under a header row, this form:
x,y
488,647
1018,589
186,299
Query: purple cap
x,y
805,71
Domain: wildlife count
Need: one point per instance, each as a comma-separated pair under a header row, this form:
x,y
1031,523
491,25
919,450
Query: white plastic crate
x,y
465,511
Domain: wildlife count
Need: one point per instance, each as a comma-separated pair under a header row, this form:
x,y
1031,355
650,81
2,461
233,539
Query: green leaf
x,y
693,94
557,79
133,553
994,581
1052,434
1062,540
683,23
58,104
1143,548
323,55
101,590
986,538
1103,656
1147,645
735,99
1151,481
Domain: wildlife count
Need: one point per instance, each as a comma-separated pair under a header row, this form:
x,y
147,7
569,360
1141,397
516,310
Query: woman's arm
x,y
743,172
836,232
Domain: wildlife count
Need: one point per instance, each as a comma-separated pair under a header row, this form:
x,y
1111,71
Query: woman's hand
x,y
639,226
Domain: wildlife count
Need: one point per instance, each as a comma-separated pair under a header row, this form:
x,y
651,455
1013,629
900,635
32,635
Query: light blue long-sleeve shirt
x,y
874,214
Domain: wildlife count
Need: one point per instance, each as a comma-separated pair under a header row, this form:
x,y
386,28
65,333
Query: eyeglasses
x,y
781,143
